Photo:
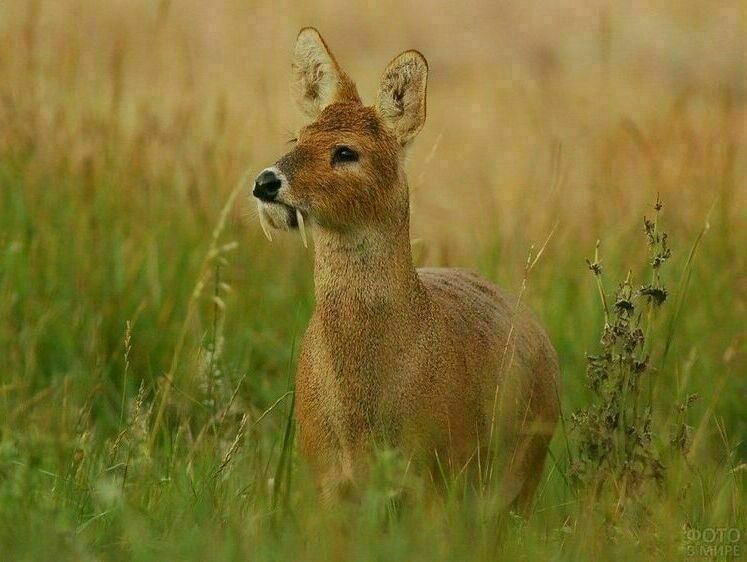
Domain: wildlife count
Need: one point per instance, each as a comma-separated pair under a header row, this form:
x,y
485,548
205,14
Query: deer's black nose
x,y
266,186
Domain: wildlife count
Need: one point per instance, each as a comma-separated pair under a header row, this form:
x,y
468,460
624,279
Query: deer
x,y
436,362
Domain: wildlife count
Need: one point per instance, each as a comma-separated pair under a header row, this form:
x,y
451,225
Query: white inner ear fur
x,y
401,99
316,76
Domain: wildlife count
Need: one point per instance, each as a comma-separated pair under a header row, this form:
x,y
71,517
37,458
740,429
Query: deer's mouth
x,y
281,216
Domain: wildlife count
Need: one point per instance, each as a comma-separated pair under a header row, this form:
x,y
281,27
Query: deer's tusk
x,y
301,228
264,225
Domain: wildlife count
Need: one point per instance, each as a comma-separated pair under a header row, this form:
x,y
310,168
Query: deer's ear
x,y
401,99
317,78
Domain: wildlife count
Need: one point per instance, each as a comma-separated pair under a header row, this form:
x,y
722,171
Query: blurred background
x,y
538,111
126,124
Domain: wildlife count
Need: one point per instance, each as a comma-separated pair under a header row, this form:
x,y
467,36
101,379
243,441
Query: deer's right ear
x,y
317,78
401,99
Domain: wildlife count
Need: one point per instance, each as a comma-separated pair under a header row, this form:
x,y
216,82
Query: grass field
x,y
147,328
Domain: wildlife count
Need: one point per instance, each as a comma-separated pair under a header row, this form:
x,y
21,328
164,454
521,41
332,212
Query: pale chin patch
x,y
272,216
281,217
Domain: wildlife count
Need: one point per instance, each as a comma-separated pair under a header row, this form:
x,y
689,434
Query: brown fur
x,y
418,359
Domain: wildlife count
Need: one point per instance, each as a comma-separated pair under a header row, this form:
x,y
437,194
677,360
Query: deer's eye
x,y
344,154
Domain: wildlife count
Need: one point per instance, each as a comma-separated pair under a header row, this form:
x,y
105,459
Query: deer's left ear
x,y
401,99
317,78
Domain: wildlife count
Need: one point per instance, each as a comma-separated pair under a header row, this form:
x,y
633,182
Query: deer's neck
x,y
370,303
365,272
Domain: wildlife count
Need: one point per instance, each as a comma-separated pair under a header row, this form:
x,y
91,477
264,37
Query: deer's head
x,y
344,171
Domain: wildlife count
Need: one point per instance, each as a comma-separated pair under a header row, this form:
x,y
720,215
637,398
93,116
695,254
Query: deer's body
x,y
435,362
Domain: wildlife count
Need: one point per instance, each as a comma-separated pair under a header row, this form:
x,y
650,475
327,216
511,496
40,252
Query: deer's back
x,y
476,318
